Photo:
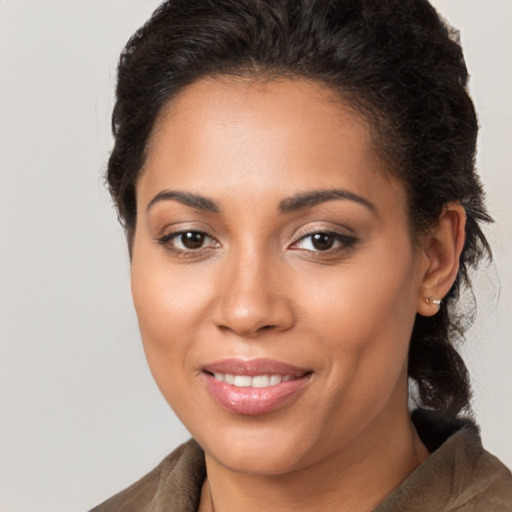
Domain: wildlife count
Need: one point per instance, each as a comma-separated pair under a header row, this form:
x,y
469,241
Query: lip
x,y
254,367
249,400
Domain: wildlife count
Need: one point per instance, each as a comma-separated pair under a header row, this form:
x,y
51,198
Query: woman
x,y
296,180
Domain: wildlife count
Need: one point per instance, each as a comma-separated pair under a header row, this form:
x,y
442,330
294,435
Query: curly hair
x,y
394,61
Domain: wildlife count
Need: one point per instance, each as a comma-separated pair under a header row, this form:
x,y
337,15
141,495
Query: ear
x,y
442,247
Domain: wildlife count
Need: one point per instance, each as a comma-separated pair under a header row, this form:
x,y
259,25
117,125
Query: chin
x,y
257,461
254,450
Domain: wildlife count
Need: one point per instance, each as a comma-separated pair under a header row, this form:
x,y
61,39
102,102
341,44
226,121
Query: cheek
x,y
167,298
365,320
170,303
365,314
377,294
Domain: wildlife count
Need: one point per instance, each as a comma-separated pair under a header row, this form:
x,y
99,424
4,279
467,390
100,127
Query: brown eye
x,y
322,241
192,239
188,242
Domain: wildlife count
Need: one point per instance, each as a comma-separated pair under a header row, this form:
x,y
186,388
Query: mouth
x,y
254,387
258,381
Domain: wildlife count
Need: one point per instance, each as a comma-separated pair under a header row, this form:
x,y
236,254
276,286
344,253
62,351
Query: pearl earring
x,y
430,300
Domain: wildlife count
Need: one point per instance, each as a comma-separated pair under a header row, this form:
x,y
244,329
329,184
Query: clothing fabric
x,y
458,476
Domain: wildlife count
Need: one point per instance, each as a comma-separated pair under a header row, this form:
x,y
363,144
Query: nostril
x,y
246,316
248,331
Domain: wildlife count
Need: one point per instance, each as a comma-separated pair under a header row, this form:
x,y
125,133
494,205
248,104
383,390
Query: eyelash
x,y
344,242
167,242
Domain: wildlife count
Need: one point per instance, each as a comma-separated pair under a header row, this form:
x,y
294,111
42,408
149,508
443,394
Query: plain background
x,y
80,415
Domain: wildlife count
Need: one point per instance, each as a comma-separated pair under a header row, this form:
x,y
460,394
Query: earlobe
x,y
442,247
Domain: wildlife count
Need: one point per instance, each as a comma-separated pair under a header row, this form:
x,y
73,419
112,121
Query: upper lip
x,y
254,367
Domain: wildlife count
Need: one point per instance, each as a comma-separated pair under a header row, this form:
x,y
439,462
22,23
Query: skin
x,y
257,287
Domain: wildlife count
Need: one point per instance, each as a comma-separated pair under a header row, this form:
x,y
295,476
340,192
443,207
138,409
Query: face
x,y
273,274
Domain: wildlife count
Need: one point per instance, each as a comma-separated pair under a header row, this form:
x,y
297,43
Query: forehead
x,y
254,136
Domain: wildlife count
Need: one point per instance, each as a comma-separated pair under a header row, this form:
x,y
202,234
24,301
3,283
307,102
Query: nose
x,y
252,297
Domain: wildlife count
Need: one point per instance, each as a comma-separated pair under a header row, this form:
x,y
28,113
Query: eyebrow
x,y
187,198
314,197
288,205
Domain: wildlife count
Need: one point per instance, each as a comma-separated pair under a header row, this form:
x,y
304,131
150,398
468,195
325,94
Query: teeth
x,y
242,381
275,379
258,381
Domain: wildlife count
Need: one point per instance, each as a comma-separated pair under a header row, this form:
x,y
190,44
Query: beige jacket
x,y
459,476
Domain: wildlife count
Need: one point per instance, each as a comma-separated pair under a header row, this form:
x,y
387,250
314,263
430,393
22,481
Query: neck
x,y
357,477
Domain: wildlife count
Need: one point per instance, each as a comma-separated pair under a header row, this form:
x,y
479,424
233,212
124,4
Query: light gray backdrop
x,y
80,415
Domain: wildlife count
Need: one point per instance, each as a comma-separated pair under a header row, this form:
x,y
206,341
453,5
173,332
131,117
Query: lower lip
x,y
254,401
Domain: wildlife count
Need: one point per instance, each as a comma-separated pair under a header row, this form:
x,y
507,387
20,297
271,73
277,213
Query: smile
x,y
258,381
254,387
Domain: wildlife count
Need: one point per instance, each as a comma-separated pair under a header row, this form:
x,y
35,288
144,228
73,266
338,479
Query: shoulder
x,y
479,480
459,475
487,482
174,485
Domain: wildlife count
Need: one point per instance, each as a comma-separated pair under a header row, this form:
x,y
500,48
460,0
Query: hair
x,y
394,61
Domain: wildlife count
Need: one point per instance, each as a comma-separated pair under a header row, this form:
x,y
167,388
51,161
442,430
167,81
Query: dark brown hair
x,y
394,61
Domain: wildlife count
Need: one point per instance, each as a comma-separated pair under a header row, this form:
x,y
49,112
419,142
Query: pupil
x,y
192,240
322,241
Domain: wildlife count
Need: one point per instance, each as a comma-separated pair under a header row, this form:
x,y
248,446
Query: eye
x,y
187,241
319,241
323,241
